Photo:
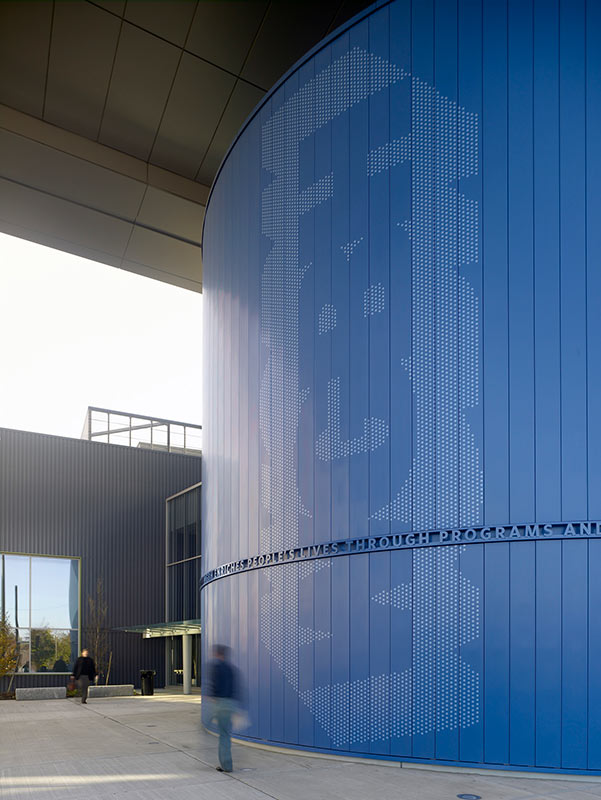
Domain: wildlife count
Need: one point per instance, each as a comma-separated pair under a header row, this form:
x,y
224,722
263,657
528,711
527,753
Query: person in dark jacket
x,y
223,688
84,673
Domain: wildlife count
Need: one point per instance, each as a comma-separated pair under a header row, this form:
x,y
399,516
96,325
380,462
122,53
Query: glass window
x,y
52,650
23,650
54,593
41,596
176,592
184,546
193,523
183,593
179,544
192,594
191,540
16,589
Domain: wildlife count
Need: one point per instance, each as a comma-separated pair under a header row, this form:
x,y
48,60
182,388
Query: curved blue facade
x,y
402,367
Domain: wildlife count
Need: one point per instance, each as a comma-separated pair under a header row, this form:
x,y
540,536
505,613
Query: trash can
x,y
147,680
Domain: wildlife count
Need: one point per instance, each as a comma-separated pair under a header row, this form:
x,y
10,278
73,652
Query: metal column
x,y
187,659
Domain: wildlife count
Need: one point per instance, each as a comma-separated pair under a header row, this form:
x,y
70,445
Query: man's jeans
x,y
224,710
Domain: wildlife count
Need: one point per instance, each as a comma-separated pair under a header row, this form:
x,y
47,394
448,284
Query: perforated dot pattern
x,y
445,484
331,446
350,247
373,300
327,319
440,690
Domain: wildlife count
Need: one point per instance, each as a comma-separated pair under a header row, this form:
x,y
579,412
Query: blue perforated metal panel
x,y
400,281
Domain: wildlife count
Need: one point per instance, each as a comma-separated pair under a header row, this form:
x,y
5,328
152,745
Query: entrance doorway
x,y
175,660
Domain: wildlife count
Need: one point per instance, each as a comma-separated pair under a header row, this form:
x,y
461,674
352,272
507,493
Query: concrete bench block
x,y
41,693
120,690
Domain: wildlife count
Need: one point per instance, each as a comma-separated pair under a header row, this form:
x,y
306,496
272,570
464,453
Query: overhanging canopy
x,y
115,116
159,629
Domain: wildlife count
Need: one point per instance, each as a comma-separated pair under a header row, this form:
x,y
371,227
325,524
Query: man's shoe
x,y
220,769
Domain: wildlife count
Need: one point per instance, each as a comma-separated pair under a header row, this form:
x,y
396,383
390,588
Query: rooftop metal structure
x,y
136,430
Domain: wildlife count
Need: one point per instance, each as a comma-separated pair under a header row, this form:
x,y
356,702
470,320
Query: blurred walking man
x,y
223,688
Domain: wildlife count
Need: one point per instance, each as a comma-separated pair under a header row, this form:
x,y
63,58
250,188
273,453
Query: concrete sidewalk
x,y
151,748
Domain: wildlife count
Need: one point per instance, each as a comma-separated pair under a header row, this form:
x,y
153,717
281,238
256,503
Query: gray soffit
x,y
65,191
115,116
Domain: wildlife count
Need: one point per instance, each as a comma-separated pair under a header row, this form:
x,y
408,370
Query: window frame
x,y
29,627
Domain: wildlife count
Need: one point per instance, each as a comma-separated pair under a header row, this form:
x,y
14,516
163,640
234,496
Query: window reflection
x,y
52,650
15,602
40,597
53,593
184,547
23,650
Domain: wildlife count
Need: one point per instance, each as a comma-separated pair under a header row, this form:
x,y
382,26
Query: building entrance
x,y
175,660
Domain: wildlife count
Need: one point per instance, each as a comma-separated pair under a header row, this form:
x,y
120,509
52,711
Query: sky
x,y
74,333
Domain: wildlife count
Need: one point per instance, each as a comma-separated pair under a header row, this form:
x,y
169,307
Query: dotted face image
x,y
443,486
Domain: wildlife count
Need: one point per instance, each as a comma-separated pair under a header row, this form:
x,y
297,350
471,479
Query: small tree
x,y
8,648
98,639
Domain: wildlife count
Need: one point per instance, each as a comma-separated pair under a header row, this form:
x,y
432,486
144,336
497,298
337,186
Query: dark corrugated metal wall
x,y
105,504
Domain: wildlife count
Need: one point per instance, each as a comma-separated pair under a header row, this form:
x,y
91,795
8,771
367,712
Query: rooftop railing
x,y
137,430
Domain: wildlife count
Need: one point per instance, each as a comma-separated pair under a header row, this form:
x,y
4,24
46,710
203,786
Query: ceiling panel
x,y
196,103
114,6
289,30
244,98
142,76
176,184
223,32
24,42
58,243
169,255
167,212
170,21
64,220
111,76
84,38
36,165
193,285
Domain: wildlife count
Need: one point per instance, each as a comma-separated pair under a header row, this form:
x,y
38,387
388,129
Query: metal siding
x,y
520,260
439,157
593,254
359,282
496,654
574,664
547,360
572,234
104,504
324,370
548,653
379,281
445,57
